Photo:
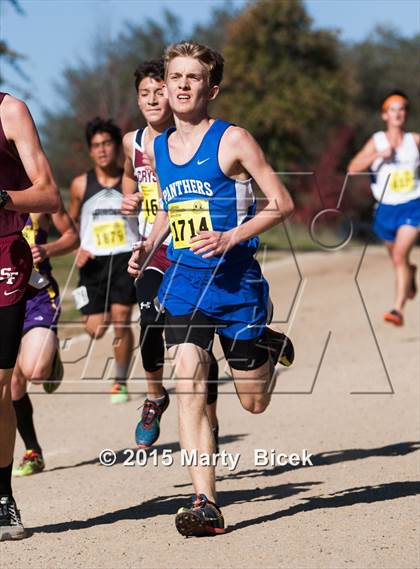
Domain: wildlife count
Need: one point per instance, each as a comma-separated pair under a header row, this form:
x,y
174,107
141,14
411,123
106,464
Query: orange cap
x,y
393,99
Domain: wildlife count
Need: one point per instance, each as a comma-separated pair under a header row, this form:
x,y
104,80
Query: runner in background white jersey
x,y
105,293
393,158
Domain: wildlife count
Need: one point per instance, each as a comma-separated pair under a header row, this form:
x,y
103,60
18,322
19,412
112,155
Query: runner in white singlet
x,y
393,157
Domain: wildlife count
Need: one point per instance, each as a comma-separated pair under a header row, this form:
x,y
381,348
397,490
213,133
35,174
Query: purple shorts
x,y
43,307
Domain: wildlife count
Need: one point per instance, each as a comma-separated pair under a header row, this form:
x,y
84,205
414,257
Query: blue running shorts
x,y
233,297
389,218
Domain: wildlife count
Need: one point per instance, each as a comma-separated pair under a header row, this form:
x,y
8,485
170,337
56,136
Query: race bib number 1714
x,y
187,218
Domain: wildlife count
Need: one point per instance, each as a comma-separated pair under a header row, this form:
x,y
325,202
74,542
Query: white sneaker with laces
x,y
10,523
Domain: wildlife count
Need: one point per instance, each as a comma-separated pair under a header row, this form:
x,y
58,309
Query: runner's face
x,y
103,150
187,87
153,104
395,114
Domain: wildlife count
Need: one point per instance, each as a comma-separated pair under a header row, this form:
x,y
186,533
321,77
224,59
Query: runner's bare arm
x,y
129,183
77,190
19,128
132,198
150,153
365,158
68,240
417,138
239,154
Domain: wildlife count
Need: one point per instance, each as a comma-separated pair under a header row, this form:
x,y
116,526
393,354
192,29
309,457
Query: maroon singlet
x,y
15,255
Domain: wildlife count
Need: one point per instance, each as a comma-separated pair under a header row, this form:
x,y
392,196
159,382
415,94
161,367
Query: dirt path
x,y
355,507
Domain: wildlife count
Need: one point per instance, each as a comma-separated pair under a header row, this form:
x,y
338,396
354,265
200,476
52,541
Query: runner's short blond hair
x,y
209,58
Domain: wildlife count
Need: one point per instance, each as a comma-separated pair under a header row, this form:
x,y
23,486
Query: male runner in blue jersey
x,y
204,167
141,196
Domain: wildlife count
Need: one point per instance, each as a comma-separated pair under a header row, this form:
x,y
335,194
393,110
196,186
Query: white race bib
x,y
80,296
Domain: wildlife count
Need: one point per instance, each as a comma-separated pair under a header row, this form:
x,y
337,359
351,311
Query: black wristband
x,y
4,198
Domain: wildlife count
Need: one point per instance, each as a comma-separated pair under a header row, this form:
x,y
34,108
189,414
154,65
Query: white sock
x,y
121,373
156,399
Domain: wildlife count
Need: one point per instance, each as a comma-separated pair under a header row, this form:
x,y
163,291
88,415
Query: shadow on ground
x,y
168,505
331,457
361,495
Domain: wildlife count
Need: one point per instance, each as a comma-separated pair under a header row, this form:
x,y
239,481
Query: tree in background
x,y
285,82
309,99
383,62
105,86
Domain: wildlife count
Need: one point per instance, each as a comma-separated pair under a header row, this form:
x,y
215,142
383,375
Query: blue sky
x,y
56,33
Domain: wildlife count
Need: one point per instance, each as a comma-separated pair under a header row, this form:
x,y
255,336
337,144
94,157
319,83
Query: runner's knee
x,y
39,375
96,330
18,386
255,405
191,395
399,257
191,378
122,329
34,372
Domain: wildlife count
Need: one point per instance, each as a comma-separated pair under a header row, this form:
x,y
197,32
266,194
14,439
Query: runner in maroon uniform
x,y
26,184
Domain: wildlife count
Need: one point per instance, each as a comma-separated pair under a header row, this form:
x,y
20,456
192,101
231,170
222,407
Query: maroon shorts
x,y
160,261
15,268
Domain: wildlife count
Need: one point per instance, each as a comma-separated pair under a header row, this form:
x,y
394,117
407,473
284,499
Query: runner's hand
x,y
38,253
211,243
140,252
131,204
82,257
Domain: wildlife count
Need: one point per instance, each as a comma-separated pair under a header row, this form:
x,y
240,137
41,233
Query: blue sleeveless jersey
x,y
198,196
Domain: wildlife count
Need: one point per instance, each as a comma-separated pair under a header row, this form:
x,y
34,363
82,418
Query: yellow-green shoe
x,y
119,393
32,463
53,382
